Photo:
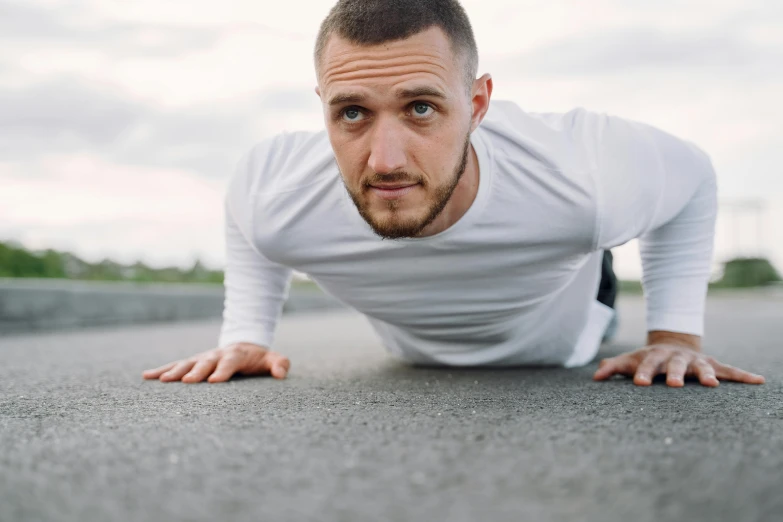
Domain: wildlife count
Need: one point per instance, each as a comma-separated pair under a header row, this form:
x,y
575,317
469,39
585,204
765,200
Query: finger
x,y
606,368
180,369
278,365
156,372
650,367
269,363
226,367
622,364
675,371
727,372
705,372
201,370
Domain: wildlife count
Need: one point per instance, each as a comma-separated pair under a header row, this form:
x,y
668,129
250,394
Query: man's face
x,y
398,117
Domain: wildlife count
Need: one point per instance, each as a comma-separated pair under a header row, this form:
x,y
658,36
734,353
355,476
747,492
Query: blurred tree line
x,y
16,261
741,272
746,272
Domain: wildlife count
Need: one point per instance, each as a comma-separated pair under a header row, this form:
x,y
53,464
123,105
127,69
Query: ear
x,y
318,91
482,92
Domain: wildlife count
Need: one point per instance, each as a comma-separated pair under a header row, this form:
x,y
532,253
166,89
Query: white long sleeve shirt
x,y
515,280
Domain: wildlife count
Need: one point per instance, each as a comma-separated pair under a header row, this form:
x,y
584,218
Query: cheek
x,y
435,156
350,161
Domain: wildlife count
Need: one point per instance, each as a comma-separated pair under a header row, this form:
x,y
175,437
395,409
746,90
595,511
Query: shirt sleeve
x,y
662,190
255,287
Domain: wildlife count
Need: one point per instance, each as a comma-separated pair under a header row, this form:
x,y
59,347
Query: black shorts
x,y
607,290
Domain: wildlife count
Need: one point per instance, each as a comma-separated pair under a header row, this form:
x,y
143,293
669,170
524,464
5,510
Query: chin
x,y
394,225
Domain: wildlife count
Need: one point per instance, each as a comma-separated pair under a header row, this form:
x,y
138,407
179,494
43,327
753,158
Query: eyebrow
x,y
419,91
414,92
339,99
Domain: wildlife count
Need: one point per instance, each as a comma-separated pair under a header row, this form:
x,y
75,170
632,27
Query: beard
x,y
393,225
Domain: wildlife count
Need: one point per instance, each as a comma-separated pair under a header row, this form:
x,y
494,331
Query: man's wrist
x,y
680,339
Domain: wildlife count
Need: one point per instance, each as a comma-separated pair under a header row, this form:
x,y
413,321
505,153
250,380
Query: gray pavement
x,y
353,435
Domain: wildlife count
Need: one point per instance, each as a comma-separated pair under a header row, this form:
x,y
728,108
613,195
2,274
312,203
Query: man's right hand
x,y
220,364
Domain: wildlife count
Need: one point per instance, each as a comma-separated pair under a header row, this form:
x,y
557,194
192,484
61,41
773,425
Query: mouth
x,y
392,191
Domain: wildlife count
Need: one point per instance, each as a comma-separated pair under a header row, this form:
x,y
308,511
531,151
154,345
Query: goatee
x,y
395,227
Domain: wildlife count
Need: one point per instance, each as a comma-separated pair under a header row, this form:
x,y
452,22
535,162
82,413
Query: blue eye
x,y
420,109
352,114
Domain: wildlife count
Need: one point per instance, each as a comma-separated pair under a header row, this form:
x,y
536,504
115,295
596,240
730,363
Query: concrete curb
x,y
29,305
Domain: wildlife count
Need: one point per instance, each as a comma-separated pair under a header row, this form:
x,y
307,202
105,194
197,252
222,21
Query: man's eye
x,y
422,109
352,115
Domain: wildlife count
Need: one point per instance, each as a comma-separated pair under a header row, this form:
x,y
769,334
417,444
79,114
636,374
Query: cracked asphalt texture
x,y
353,435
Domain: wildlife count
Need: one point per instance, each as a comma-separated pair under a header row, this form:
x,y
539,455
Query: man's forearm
x,y
676,261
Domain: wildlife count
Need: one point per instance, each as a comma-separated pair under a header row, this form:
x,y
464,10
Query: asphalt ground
x,y
353,435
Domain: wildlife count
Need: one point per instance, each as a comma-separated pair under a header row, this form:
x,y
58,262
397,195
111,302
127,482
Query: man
x,y
466,233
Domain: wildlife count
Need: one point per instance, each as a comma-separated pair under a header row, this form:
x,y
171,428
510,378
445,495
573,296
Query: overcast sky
x,y
120,122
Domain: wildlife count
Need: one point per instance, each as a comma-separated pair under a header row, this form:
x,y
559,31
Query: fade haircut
x,y
372,22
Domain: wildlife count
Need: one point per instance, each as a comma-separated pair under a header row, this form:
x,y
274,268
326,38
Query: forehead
x,y
424,58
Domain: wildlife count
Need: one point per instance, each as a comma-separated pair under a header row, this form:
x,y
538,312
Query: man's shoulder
x,y
555,139
578,128
283,162
509,116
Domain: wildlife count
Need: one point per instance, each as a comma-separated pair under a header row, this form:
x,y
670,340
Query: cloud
x,y
65,115
76,25
60,114
71,26
106,209
640,49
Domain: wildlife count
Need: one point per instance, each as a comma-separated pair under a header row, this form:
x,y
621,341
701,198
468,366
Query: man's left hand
x,y
676,362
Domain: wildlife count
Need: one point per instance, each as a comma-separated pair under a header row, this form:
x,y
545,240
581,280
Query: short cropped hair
x,y
372,22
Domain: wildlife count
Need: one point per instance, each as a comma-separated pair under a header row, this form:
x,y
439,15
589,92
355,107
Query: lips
x,y
392,191
393,187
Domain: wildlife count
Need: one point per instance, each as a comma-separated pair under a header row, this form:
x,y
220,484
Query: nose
x,y
386,148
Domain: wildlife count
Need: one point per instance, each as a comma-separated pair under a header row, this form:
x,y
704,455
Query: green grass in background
x,y
16,261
